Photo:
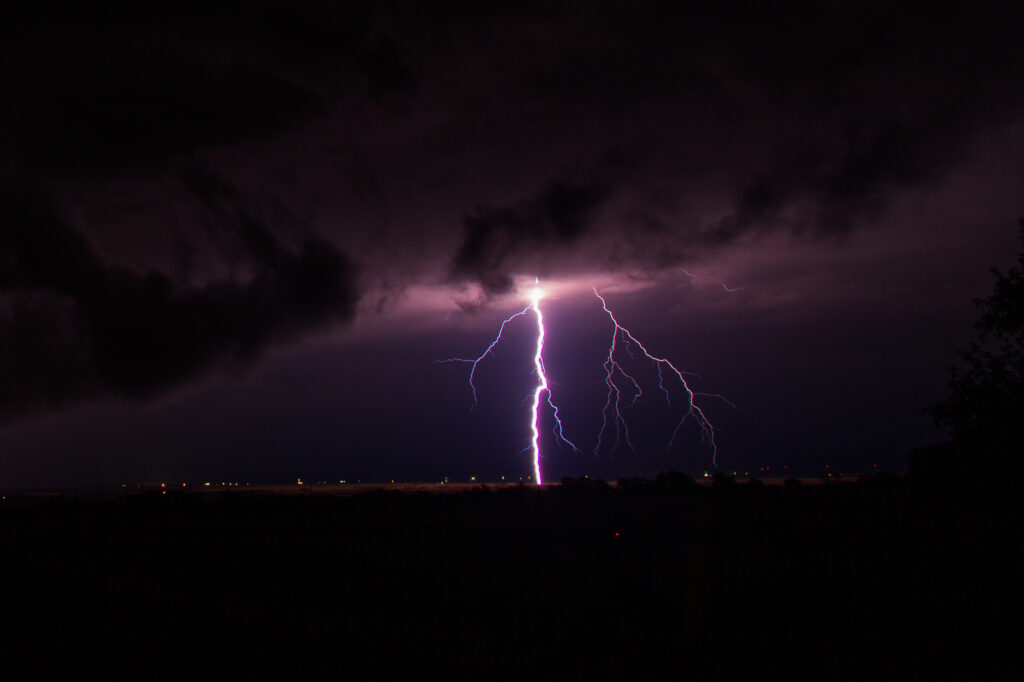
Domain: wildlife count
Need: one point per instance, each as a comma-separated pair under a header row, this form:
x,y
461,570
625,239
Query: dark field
x,y
880,579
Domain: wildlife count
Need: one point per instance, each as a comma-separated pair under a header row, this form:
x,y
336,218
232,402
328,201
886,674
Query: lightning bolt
x,y
477,360
727,289
543,387
614,404
622,393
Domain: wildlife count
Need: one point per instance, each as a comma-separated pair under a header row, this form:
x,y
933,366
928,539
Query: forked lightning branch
x,y
623,389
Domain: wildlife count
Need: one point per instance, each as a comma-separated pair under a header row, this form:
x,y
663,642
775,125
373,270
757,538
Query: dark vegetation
x,y
887,578
985,408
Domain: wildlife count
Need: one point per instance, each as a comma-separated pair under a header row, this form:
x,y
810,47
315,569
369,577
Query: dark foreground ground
x,y
876,580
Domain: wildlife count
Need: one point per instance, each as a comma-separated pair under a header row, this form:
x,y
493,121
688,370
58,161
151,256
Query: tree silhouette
x,y
985,408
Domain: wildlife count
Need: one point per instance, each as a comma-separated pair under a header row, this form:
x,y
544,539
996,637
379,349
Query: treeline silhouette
x,y
984,411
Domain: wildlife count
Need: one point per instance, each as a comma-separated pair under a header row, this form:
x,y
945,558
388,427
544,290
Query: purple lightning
x,y
476,361
613,406
535,295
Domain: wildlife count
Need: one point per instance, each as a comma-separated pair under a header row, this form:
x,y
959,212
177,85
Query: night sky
x,y
237,236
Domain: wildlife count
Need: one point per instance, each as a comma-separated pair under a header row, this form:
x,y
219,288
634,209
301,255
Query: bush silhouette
x,y
633,483
674,480
722,480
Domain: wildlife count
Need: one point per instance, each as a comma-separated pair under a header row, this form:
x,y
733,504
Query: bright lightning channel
x,y
535,294
614,404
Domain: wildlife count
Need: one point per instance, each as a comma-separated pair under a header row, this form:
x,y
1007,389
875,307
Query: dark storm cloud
x,y
811,119
72,326
116,85
873,99
430,141
134,89
850,178
559,216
